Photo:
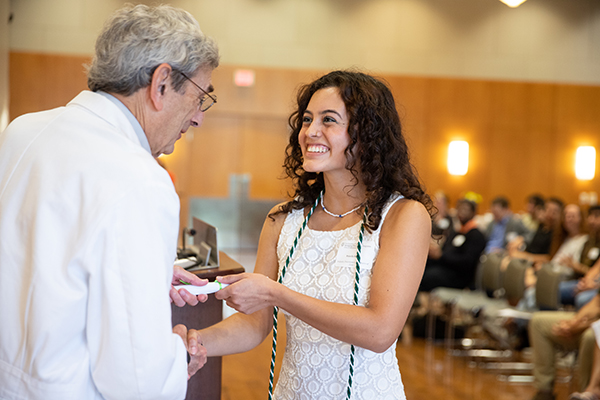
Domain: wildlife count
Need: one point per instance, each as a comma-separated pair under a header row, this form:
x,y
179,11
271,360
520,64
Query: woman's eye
x,y
328,119
306,120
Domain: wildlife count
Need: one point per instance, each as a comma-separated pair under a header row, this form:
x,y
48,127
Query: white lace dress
x,y
315,365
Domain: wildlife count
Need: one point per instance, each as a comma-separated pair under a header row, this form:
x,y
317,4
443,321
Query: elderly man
x,y
89,221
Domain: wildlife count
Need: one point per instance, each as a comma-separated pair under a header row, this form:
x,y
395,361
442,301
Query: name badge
x,y
346,256
510,236
443,224
458,240
593,253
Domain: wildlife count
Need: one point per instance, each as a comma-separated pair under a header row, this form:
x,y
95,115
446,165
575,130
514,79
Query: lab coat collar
x,y
107,110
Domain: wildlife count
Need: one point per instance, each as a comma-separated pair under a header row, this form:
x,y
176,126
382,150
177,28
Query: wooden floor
x,y
427,372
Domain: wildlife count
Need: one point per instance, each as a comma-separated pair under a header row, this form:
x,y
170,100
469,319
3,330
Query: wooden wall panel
x,y
216,153
459,110
522,135
538,139
264,141
577,121
513,146
43,81
410,94
272,95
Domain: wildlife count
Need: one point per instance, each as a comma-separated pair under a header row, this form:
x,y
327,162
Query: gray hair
x,y
137,39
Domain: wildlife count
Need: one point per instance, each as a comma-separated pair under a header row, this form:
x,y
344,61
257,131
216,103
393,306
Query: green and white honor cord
x,y
280,280
355,302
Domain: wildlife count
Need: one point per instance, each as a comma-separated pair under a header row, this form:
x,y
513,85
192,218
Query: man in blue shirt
x,y
504,228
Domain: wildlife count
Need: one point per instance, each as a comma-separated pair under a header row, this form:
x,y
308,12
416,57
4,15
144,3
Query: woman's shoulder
x,y
399,203
277,216
407,211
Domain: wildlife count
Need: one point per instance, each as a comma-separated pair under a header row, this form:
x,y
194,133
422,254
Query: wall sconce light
x,y
585,163
458,157
513,3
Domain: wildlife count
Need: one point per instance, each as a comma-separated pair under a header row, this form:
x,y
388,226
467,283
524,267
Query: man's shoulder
x,y
27,122
516,221
475,233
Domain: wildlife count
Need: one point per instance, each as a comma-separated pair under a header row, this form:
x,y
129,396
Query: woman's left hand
x,y
247,292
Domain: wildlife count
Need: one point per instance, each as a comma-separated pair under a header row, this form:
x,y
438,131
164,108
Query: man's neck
x,y
135,104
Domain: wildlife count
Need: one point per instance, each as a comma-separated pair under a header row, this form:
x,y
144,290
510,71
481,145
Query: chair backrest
x,y
491,276
514,280
546,288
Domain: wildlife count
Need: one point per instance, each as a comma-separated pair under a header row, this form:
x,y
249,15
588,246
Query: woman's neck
x,y
343,195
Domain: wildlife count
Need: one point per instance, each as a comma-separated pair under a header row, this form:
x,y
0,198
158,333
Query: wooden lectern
x,y
206,384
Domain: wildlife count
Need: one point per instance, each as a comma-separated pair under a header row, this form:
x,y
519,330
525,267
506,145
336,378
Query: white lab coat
x,y
88,234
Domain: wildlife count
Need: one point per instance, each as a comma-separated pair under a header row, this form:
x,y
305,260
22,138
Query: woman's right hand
x,y
247,292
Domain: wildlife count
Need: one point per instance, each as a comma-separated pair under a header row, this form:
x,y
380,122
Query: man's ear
x,y
158,85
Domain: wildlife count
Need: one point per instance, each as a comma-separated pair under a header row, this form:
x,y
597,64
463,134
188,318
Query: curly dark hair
x,y
376,141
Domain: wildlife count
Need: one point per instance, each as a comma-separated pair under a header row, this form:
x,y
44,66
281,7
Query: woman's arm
x,y
398,269
533,258
242,332
590,279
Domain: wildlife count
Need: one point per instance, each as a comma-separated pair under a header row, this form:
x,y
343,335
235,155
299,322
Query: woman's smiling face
x,y
324,134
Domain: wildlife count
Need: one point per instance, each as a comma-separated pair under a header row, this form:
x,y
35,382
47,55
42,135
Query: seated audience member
x,y
579,291
534,208
567,244
453,264
443,224
504,227
538,248
592,391
550,331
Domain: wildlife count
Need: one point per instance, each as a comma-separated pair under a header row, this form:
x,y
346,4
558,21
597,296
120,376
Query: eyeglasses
x,y
207,100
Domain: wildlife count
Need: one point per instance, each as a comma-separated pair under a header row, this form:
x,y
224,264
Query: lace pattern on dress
x,y
315,365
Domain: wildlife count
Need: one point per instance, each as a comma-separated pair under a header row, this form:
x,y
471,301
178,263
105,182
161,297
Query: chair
x,y
513,285
547,298
547,295
488,281
514,280
493,318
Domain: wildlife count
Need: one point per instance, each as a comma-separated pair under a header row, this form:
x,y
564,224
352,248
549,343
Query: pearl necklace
x,y
338,215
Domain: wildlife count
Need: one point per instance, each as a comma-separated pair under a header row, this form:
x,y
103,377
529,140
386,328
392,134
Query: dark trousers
x,y
441,276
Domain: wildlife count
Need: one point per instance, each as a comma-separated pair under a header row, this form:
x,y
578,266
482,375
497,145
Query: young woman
x,y
349,249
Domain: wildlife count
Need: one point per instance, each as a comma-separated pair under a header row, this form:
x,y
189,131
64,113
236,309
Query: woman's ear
x,y
158,85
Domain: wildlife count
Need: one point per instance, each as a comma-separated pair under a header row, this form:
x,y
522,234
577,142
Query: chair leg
x,y
431,320
449,335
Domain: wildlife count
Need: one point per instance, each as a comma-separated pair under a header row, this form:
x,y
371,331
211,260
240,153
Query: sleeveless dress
x,y
315,365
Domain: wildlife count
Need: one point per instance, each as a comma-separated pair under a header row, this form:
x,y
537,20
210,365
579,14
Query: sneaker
x,y
584,396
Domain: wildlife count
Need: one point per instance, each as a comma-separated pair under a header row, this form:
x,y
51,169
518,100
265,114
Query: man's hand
x,y
516,244
564,328
587,283
193,344
182,297
570,327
